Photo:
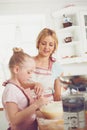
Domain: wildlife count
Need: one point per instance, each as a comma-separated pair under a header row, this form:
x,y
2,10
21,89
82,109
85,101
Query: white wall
x,y
36,7
3,121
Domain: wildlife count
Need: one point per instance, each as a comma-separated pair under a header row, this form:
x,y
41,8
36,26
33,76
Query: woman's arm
x,y
57,90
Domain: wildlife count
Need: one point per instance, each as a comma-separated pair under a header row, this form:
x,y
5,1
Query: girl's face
x,y
46,46
24,74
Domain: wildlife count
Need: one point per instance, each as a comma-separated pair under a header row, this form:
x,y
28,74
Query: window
x,y
18,31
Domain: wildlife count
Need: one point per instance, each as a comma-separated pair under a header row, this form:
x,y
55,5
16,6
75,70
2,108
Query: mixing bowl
x,y
52,110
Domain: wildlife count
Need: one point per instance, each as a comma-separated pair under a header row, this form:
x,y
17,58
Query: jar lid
x,y
73,103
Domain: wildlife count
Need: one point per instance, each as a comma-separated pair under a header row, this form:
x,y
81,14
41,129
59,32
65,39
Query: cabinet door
x,y
83,17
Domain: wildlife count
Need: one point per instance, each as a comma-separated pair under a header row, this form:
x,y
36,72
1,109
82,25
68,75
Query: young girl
x,y
17,100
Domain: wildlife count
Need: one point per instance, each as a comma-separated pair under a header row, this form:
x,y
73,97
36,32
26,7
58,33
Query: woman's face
x,y
46,46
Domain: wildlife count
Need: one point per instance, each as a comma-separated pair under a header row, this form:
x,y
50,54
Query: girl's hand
x,y
41,101
38,89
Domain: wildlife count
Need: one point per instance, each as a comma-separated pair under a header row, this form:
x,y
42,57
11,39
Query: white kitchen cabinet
x,y
83,17
74,51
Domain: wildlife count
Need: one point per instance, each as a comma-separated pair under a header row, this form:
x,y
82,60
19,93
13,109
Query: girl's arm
x,y
16,116
38,88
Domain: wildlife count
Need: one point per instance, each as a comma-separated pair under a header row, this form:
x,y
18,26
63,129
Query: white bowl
x,y
52,110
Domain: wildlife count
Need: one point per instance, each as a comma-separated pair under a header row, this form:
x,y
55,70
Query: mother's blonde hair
x,y
47,32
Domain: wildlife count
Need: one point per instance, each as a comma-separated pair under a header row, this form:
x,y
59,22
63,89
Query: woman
x,y
48,69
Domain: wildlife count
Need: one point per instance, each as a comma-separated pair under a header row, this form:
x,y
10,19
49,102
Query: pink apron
x,y
44,76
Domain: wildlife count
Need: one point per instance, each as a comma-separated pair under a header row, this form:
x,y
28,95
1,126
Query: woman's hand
x,y
38,88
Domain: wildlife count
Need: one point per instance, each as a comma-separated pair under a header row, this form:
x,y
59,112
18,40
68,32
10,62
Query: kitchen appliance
x,y
75,105
74,112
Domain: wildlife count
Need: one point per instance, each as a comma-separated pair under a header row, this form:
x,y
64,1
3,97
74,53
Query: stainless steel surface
x,y
77,82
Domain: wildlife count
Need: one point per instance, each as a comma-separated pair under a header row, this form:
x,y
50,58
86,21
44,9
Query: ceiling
x,y
41,1
44,2
36,6
20,1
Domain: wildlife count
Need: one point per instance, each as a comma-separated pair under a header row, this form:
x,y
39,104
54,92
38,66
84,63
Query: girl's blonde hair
x,y
47,32
18,58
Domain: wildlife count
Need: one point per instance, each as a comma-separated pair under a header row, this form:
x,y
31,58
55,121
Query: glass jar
x,y
85,98
74,112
